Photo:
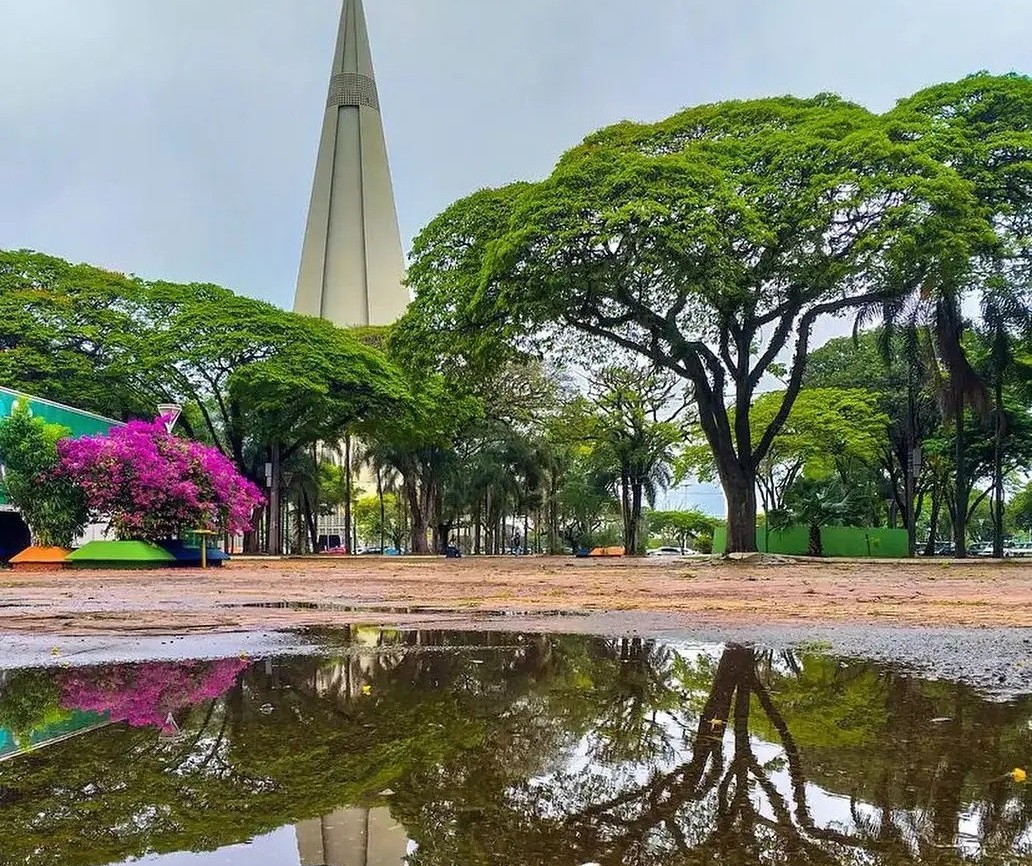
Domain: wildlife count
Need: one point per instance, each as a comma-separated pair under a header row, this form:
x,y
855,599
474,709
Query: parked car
x,y
672,551
981,548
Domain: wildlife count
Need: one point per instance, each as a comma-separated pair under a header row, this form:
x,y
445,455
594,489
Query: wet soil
x,y
586,595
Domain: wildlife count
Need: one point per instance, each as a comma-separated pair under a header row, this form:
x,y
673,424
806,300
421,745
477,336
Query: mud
x,y
964,621
284,593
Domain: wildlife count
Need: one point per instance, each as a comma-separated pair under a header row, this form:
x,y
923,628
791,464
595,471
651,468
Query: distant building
x,y
352,264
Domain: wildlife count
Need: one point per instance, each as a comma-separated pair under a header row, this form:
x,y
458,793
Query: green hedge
x,y
843,541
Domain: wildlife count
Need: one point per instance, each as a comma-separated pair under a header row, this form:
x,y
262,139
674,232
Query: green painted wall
x,y
844,541
75,722
79,422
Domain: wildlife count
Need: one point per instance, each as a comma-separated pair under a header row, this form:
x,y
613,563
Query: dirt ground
x,y
269,594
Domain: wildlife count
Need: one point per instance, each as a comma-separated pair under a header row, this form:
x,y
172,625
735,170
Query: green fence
x,y
844,541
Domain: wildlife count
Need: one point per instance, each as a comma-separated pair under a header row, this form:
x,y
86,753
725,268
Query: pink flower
x,y
143,695
152,485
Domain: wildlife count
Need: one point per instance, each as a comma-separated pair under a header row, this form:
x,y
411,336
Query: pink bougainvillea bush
x,y
151,485
143,695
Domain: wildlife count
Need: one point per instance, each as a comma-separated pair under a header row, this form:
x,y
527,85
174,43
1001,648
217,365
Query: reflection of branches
x,y
630,725
631,818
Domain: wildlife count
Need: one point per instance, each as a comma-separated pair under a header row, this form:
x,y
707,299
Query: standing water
x,y
441,749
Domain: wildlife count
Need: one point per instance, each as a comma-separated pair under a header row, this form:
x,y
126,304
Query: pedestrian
x,y
516,543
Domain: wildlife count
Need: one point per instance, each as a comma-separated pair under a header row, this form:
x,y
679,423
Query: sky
x,y
176,139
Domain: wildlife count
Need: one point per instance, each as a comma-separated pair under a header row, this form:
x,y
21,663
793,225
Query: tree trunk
x,y
347,493
251,542
554,535
503,535
740,491
625,511
488,523
814,546
477,516
998,473
310,521
383,507
909,468
275,543
933,524
299,528
440,529
961,491
637,542
419,515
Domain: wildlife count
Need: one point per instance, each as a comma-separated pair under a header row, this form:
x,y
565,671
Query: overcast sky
x,y
177,138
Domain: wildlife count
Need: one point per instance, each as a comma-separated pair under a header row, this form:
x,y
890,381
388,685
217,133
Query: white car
x,y
672,551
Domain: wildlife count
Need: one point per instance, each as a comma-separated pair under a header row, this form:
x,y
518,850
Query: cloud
x,y
177,139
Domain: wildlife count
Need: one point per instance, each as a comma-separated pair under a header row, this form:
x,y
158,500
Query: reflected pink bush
x,y
152,485
144,694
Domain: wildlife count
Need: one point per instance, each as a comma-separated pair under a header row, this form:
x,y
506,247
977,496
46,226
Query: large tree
x,y
981,126
53,507
247,374
892,366
709,243
58,322
636,420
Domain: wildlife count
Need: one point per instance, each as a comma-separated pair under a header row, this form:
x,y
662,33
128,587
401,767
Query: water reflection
x,y
441,748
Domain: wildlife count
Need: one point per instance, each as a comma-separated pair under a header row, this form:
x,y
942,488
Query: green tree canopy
x,y
691,527
246,373
827,431
58,329
708,243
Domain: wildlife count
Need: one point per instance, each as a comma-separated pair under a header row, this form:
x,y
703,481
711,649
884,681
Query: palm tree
x,y
815,504
1005,314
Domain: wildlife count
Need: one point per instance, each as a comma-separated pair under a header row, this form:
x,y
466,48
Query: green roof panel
x,y
121,552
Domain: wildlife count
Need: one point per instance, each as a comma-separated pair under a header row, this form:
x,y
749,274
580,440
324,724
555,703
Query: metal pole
x,y
275,517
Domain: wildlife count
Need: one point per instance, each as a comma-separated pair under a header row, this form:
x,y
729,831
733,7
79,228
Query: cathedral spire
x,y
352,265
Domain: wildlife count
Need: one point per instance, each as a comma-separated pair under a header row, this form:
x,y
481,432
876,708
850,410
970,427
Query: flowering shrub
x,y
151,485
145,694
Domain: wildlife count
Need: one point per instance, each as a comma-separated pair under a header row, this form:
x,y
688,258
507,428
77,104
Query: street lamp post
x,y
170,412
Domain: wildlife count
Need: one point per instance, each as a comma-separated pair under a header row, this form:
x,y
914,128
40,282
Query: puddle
x,y
436,748
396,610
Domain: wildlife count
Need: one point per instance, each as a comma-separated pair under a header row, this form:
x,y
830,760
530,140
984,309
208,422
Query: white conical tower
x,y
352,265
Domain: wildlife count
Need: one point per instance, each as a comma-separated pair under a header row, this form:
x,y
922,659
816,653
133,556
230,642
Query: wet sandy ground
x,y
557,594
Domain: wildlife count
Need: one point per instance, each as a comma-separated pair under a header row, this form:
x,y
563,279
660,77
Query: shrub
x,y
54,507
151,485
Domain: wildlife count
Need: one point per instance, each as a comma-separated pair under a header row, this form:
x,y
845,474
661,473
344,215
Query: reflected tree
x,y
534,749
